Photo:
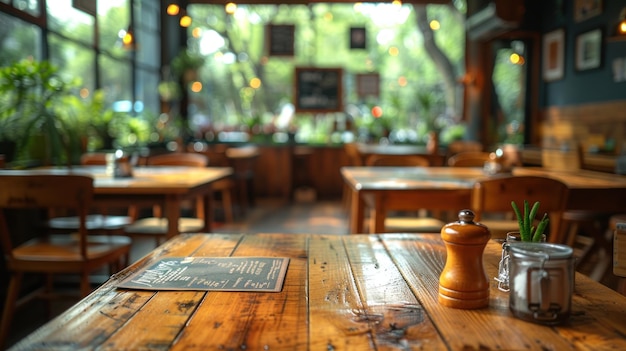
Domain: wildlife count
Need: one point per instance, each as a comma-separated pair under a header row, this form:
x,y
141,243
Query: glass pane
x,y
147,95
117,82
29,6
74,61
148,48
63,18
113,17
20,40
509,99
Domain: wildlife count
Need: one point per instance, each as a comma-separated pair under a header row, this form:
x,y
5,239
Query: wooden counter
x,y
356,292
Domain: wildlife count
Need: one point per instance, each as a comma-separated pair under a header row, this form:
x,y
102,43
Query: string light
x,y
173,9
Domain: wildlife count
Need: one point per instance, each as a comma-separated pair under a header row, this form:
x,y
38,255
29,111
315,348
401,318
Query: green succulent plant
x,y
528,232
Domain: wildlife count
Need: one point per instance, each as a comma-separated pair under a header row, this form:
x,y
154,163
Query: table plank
x,y
333,299
254,321
401,321
482,328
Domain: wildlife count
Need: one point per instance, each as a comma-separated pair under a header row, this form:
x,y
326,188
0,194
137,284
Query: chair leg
x,y
9,307
227,204
85,286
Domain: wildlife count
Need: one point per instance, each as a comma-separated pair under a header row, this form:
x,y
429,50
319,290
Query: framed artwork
x,y
584,9
553,50
358,38
318,90
280,39
589,50
368,84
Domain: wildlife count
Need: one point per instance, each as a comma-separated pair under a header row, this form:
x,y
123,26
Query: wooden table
x,y
449,188
167,186
407,189
355,292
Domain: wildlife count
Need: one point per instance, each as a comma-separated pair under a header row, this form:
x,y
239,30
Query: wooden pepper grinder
x,y
463,282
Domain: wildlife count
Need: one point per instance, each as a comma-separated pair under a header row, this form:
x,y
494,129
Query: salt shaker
x,y
463,282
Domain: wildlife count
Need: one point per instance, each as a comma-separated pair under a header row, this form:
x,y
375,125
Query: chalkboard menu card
x,y
211,273
280,39
318,90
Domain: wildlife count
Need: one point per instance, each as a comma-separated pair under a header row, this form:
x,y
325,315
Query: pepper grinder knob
x,y
463,282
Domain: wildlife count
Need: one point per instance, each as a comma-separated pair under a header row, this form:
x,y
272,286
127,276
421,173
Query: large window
x,y
85,45
243,86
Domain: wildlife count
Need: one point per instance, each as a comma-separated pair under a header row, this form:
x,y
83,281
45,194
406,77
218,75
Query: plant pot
x,y
504,266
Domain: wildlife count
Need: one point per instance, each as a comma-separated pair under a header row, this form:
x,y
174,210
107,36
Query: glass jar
x,y
541,281
503,267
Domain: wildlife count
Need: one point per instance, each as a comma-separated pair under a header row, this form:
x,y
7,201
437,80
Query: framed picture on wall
x,y
584,9
280,39
589,50
368,85
358,38
553,51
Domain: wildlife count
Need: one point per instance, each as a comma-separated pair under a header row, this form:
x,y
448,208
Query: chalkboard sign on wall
x,y
280,39
318,90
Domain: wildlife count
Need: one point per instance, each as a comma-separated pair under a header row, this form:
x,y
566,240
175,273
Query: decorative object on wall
x,y
358,38
619,69
318,90
553,49
589,50
584,9
280,39
368,85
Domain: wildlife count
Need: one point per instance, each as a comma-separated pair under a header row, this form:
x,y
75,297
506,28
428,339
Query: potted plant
x,y
34,113
528,232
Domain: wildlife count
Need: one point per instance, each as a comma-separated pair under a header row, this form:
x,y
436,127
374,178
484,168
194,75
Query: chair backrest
x,y
469,159
494,195
398,161
188,159
354,156
27,190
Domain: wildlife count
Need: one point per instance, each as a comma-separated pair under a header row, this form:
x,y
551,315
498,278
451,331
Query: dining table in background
x,y
406,189
150,185
341,292
449,188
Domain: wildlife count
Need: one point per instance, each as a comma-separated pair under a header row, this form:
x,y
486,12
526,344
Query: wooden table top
x,y
356,292
411,178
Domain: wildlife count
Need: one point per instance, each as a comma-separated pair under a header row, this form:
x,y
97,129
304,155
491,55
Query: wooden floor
x,y
268,216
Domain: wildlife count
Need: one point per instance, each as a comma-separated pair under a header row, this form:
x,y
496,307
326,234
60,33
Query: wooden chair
x,y
491,201
402,223
469,159
243,162
586,227
156,226
458,146
101,220
397,161
40,253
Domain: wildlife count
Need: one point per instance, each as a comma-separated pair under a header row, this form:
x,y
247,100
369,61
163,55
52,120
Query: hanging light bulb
x,y
230,8
185,21
127,38
173,9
